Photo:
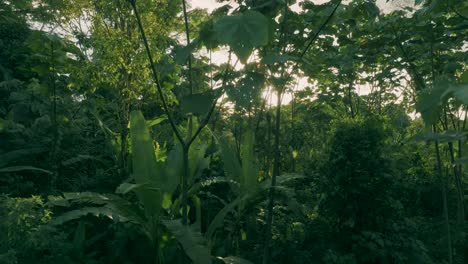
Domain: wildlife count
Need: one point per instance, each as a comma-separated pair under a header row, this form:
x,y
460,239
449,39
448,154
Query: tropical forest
x,y
233,131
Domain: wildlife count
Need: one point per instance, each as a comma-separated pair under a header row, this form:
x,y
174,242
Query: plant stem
x,y
186,175
276,172
444,197
155,74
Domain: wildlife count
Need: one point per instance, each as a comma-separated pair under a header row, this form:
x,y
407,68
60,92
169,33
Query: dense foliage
x,y
268,131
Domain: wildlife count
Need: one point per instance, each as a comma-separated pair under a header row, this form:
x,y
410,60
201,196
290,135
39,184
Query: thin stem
x,y
213,106
185,150
276,172
187,34
444,197
320,30
155,74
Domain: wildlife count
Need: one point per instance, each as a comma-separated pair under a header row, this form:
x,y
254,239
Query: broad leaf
x,y
192,241
145,167
156,121
218,220
234,260
197,103
278,58
243,32
23,168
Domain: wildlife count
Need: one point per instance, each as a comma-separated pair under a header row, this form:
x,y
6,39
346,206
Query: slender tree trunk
x,y
123,143
457,176
268,146
292,131
55,142
276,172
350,98
185,150
444,198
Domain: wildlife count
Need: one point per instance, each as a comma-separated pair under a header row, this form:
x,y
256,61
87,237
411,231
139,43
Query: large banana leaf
x,y
145,168
191,241
108,205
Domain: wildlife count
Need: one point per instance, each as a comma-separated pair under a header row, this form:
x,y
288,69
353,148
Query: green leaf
x,y
234,260
218,220
461,93
192,241
243,32
431,101
156,121
249,179
197,103
460,161
109,205
464,78
79,158
443,137
278,58
182,53
78,213
232,166
418,2
145,167
127,187
19,154
23,168
79,238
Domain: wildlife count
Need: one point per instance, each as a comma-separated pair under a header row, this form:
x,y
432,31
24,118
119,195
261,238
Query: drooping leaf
x,y
127,187
234,260
218,220
78,213
430,102
97,204
156,121
8,157
79,158
461,92
192,241
23,168
182,53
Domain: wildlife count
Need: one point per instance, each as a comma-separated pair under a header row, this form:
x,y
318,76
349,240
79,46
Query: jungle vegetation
x,y
263,131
